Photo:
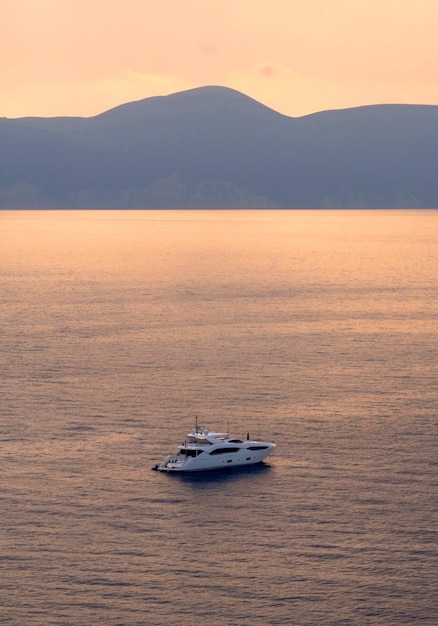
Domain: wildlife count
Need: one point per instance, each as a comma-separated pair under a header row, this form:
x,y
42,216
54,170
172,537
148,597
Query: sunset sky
x,y
82,57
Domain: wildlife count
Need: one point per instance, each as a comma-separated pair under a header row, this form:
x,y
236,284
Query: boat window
x,y
188,452
235,441
224,450
257,447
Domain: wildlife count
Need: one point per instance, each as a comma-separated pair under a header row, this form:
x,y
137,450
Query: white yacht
x,y
204,450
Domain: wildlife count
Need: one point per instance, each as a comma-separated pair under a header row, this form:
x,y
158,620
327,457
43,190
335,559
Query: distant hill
x,y
215,147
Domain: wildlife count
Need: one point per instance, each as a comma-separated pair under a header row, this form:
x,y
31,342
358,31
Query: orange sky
x,y
81,57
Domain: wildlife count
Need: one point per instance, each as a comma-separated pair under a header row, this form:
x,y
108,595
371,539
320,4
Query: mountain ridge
x,y
215,147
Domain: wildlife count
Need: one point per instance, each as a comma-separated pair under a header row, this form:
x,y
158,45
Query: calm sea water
x,y
316,329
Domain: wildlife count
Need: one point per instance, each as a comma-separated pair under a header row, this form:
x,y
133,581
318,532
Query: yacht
x,y
204,450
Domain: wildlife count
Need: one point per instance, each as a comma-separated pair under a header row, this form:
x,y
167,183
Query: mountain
x,y
215,147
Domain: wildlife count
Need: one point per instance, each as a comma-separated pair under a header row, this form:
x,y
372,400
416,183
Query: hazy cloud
x,y
266,71
90,97
208,49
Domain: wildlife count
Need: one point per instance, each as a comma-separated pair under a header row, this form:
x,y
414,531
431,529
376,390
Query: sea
x,y
317,330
